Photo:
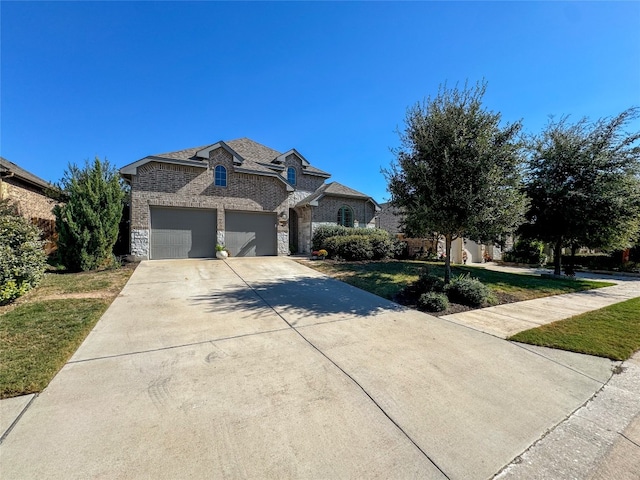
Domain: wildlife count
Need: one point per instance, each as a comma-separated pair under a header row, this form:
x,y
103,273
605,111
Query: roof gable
x,y
335,189
248,157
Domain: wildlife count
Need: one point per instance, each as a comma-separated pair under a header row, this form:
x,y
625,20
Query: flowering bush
x,y
322,253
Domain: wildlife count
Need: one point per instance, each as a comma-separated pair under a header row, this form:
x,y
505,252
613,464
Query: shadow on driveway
x,y
298,298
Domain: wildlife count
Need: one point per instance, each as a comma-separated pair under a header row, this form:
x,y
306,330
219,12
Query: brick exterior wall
x,y
308,183
171,185
31,202
327,211
388,220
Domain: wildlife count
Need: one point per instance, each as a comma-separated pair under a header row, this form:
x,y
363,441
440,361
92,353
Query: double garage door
x,y
191,233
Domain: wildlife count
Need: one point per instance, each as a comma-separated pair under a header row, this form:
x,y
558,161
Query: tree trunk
x,y
557,257
571,270
447,259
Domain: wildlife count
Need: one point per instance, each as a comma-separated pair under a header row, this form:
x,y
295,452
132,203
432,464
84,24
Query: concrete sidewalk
x,y
601,440
506,320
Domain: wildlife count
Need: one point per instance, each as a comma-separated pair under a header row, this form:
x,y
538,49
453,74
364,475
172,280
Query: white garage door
x,y
250,234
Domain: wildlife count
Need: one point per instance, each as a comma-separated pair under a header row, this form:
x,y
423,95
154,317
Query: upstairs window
x,y
291,175
345,216
220,176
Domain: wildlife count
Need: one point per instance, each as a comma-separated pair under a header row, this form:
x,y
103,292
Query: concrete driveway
x,y
263,368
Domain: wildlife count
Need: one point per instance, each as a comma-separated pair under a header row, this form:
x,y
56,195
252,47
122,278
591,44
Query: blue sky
x,y
125,80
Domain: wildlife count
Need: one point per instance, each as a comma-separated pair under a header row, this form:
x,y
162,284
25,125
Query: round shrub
x,y
433,302
22,257
430,283
469,291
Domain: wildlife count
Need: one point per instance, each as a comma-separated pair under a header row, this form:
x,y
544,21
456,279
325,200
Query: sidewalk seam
x,y
15,422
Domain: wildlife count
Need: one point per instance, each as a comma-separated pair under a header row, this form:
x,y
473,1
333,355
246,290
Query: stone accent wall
x,y
30,201
304,230
140,243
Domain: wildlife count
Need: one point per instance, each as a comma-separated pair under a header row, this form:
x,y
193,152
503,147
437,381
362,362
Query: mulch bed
x,y
409,298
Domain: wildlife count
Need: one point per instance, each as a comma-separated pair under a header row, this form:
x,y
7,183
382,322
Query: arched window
x,y
345,216
220,176
291,175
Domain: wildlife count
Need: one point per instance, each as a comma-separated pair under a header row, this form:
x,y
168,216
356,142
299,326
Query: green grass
x,y
38,338
60,283
612,332
42,330
386,279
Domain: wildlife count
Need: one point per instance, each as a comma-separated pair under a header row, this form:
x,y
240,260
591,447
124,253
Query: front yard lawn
x,y
42,330
387,278
612,332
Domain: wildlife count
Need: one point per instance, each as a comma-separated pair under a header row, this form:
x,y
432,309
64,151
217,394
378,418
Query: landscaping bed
x,y
392,280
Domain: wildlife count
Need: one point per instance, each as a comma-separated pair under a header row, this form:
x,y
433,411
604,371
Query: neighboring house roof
x,y
10,169
249,157
335,189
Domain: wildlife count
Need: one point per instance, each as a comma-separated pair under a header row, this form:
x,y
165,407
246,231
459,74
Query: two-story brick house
x,y
241,194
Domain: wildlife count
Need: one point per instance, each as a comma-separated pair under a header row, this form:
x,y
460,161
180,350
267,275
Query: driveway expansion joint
x,y
172,347
355,382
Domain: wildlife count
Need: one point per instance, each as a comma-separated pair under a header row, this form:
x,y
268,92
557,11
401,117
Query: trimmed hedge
x,y
600,262
354,244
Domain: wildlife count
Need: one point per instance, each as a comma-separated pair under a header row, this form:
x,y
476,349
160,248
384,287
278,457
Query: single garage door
x,y
182,233
250,234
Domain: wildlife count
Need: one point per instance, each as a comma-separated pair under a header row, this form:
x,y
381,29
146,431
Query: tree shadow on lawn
x,y
298,298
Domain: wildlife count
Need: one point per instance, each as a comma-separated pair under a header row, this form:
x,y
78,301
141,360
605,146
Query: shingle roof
x,y
250,150
337,190
258,157
21,173
186,154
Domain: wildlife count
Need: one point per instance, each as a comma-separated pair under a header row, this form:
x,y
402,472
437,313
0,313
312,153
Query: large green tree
x,y
87,223
583,184
457,171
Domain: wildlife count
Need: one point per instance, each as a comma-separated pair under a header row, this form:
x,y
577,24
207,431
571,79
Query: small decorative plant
x,y
322,254
220,248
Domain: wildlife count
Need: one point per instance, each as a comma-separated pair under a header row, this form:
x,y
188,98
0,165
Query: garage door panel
x,y
182,233
250,234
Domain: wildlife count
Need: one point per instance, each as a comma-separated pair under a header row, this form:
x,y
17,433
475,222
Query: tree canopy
x,y
87,223
583,183
457,172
